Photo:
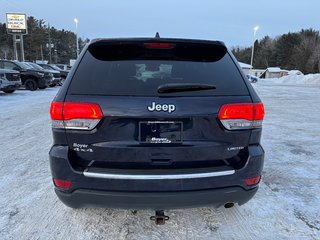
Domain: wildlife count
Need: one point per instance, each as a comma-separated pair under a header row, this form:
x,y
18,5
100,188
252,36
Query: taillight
x,y
64,184
241,115
160,45
252,181
56,110
75,115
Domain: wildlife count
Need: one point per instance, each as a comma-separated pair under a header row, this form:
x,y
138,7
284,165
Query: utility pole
x,y
50,55
15,50
76,21
55,56
21,48
255,29
41,53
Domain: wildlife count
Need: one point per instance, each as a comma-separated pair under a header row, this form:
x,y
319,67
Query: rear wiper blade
x,y
184,87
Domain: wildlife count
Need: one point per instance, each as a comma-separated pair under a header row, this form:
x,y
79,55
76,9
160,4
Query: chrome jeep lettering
x,y
161,107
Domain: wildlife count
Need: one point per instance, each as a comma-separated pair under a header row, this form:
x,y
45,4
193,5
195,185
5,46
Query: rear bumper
x,y
156,200
112,189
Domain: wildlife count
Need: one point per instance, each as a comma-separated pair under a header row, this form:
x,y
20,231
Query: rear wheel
x,y
31,84
8,91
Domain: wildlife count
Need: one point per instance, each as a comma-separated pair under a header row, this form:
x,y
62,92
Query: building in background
x,y
271,72
257,72
245,67
274,72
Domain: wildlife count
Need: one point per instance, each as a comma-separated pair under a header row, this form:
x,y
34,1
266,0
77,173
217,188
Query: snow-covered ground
x,y
309,79
285,207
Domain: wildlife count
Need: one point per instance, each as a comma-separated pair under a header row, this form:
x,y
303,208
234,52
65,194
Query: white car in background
x,y
9,80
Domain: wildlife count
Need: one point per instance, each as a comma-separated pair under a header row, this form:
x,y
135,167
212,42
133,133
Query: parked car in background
x,y
64,67
52,74
31,78
9,80
63,73
252,79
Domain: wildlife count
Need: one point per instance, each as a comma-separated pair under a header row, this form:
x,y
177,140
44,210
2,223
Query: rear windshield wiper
x,y
184,87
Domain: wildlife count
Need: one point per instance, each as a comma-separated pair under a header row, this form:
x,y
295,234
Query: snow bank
x,y
310,79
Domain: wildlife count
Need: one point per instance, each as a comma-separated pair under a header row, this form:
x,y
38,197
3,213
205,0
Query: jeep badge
x,y
162,107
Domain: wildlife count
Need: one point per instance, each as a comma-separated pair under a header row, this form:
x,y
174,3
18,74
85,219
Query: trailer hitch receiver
x,y
159,218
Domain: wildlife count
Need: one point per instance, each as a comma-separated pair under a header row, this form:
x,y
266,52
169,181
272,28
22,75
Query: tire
x,y
52,85
31,84
8,91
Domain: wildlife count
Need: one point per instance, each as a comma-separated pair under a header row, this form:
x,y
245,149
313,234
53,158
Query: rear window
x,y
133,73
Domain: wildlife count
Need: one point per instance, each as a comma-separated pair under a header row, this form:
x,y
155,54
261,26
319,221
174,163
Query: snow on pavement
x,y
285,207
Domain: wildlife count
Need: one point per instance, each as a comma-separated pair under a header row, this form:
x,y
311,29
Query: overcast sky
x,y
231,21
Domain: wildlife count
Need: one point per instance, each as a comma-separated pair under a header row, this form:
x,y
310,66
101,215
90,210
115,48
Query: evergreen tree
x,y
289,51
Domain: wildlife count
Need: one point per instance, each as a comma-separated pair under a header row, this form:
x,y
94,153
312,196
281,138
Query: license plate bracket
x,y
160,132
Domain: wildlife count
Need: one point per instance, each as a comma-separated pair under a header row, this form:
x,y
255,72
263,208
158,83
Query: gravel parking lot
x,y
285,207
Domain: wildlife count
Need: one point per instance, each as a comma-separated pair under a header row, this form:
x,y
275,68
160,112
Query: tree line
x,y
294,50
36,42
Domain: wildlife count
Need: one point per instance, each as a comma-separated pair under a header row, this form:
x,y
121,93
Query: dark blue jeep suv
x,y
156,123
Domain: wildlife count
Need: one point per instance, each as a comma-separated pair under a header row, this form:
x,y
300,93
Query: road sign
x,y
16,23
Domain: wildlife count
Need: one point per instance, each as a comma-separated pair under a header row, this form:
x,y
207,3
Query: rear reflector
x,y
159,45
75,115
241,115
252,181
62,183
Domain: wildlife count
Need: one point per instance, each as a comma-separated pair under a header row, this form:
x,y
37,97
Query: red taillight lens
x,y
258,111
64,184
75,115
236,111
56,110
73,110
159,45
252,181
241,115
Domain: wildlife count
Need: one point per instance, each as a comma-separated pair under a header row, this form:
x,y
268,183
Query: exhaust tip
x,y
229,205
